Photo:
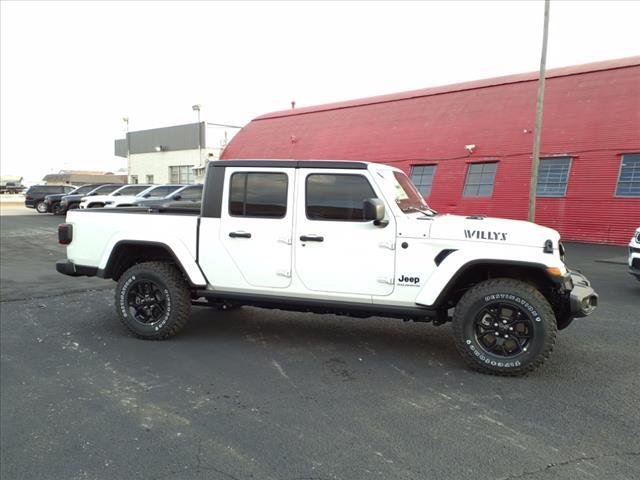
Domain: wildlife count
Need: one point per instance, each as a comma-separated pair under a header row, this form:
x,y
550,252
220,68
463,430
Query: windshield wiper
x,y
428,212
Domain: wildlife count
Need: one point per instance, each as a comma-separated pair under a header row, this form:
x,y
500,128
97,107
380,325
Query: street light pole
x,y
126,121
535,160
196,108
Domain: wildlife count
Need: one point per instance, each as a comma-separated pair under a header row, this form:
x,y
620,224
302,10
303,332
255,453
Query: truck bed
x,y
96,231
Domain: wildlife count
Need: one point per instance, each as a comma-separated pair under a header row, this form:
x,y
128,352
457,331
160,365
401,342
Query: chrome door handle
x,y
239,234
311,238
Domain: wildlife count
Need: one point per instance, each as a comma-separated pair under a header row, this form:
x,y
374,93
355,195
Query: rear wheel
x,y
153,300
41,207
504,327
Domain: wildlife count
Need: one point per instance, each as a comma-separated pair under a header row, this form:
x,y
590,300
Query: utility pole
x,y
535,160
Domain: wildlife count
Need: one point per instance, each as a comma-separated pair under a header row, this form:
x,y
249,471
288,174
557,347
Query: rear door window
x,y
258,194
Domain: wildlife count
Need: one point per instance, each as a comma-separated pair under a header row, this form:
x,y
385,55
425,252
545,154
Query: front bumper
x,y
583,299
634,260
67,267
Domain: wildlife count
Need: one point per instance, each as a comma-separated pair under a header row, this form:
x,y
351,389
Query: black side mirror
x,y
374,210
146,195
177,196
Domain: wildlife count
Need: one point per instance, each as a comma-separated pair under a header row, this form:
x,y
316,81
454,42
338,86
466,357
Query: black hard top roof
x,y
291,164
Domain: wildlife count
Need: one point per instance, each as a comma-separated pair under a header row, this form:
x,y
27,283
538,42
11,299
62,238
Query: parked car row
x,y
58,199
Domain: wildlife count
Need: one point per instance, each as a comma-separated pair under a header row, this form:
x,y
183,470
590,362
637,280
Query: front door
x,y
256,223
335,249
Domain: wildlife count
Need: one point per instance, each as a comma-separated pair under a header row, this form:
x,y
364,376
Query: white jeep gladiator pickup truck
x,y
350,238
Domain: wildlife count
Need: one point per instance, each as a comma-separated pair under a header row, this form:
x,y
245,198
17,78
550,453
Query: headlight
x,y
637,237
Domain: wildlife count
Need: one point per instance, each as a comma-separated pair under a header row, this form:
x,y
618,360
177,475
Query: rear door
x,y
256,224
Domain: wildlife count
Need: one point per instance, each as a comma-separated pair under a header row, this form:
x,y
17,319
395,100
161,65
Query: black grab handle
x,y
311,238
239,235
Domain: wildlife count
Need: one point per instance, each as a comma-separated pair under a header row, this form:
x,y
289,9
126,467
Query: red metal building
x,y
589,186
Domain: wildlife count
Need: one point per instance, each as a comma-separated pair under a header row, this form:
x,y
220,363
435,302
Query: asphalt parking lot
x,y
259,394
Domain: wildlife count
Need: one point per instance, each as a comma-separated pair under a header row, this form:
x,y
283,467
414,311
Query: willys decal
x,y
485,235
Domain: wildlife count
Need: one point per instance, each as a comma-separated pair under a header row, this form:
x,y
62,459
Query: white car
x,y
634,254
351,238
154,191
99,201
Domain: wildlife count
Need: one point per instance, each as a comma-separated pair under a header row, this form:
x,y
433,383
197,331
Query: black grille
x,y
636,263
634,250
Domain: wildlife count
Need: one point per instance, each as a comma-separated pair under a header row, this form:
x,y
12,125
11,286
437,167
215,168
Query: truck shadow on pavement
x,y
311,332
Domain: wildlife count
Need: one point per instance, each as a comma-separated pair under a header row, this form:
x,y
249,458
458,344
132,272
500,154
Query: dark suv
x,y
34,197
53,201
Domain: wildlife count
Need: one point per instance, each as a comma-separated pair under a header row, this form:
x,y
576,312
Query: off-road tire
x,y
41,207
512,293
176,296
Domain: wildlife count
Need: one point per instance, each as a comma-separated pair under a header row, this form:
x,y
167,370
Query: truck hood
x,y
490,230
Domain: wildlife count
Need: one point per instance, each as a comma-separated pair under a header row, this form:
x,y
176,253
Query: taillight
x,y
65,233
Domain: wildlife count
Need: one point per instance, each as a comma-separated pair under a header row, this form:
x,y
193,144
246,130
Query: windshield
x,y
105,189
159,191
130,190
83,189
407,196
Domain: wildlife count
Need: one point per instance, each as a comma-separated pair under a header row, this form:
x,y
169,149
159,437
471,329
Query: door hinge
x,y
285,240
389,245
284,273
386,280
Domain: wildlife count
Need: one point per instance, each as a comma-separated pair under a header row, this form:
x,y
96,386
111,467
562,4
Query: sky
x,y
69,71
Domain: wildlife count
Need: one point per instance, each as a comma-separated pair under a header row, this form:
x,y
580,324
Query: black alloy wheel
x,y
504,329
147,302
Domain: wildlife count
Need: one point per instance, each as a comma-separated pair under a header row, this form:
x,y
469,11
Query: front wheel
x,y
504,327
57,209
153,300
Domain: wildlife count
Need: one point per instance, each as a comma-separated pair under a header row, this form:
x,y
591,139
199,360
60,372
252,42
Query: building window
x,y
134,179
182,174
553,174
257,194
480,179
149,178
422,178
337,197
629,178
